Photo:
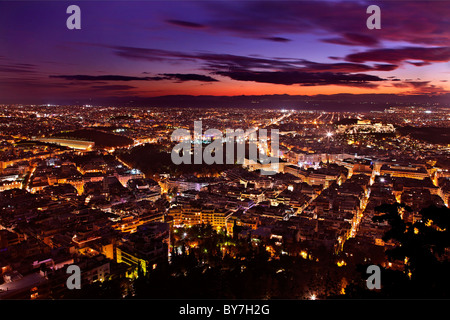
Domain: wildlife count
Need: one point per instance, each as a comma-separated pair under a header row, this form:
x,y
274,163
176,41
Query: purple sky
x,y
156,48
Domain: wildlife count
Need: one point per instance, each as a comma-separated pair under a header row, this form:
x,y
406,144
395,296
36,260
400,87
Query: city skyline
x,y
133,52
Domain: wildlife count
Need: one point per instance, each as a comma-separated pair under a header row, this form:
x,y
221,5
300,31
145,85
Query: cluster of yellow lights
x,y
341,263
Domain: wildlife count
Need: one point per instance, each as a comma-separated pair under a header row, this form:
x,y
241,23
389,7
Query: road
x,y
274,121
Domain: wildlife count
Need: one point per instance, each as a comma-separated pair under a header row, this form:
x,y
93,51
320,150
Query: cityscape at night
x,y
94,204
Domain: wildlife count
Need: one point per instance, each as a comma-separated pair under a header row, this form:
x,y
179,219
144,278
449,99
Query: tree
x,y
421,246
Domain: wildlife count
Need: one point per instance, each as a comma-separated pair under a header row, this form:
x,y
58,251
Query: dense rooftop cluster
x,y
102,209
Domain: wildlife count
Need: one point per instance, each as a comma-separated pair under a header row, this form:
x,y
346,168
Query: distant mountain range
x,y
337,102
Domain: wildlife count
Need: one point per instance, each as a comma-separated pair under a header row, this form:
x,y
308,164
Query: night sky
x,y
154,48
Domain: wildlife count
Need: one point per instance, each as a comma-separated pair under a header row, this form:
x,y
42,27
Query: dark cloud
x,y
419,64
346,67
188,77
18,68
417,84
353,39
186,24
303,78
277,39
236,62
222,62
411,84
211,60
100,78
401,85
426,88
113,87
419,87
385,67
286,71
270,19
135,53
416,22
180,77
396,55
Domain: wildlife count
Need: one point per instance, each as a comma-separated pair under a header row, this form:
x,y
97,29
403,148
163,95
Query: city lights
x,y
190,150
141,206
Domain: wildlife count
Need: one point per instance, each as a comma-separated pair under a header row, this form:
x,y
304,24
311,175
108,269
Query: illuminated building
x,y
406,171
71,143
238,219
191,216
8,185
132,223
365,126
145,248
